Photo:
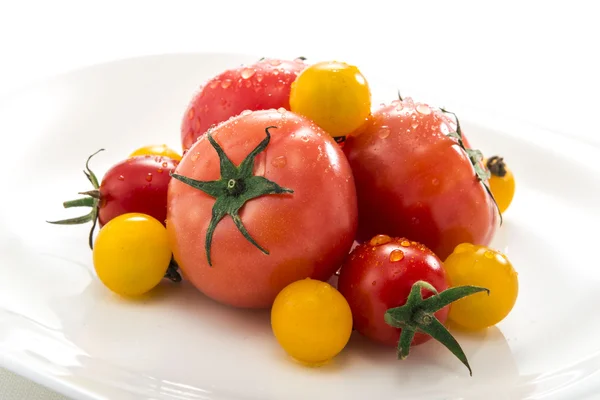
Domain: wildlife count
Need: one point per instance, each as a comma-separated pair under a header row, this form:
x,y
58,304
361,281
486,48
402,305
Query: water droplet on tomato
x,y
405,243
246,112
121,178
281,110
160,170
149,177
414,125
214,84
194,157
304,138
248,83
259,77
279,162
424,109
461,248
191,114
247,73
379,240
226,83
435,181
374,283
489,254
396,255
399,106
384,132
275,72
275,62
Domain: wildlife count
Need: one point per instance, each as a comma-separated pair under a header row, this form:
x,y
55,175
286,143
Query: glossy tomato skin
x,y
413,180
379,274
136,185
307,233
261,86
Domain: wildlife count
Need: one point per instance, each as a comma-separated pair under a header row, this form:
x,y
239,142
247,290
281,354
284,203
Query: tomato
x,y
481,266
157,150
312,321
132,254
413,179
260,86
502,182
335,95
288,214
394,287
138,184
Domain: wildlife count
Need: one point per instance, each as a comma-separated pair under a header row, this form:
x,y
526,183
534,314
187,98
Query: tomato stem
x,y
496,166
418,315
236,186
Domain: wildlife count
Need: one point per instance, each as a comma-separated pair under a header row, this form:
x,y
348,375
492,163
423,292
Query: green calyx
x,y
417,315
236,186
475,156
93,201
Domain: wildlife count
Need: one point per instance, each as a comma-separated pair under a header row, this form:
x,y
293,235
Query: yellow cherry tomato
x,y
502,182
312,321
157,150
335,95
481,266
131,254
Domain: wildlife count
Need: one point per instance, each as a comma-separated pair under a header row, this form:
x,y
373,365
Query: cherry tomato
x,y
261,86
502,182
157,150
132,254
481,266
413,179
379,274
333,94
311,321
273,222
138,184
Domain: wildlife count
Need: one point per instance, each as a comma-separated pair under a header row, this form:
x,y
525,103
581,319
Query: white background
x,y
537,61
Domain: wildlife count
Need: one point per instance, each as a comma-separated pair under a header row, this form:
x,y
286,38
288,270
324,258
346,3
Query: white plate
x,y
62,328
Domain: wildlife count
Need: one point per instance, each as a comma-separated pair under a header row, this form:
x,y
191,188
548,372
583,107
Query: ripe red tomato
x,y
379,275
261,86
414,180
135,185
307,232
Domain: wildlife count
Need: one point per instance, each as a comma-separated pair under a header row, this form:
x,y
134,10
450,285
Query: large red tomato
x,y
414,180
261,86
307,232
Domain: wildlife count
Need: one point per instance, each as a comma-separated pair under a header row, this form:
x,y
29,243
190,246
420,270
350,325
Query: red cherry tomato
x,y
379,275
261,86
307,228
414,180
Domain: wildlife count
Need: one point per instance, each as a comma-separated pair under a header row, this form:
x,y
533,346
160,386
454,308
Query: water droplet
x,y
275,62
405,243
248,84
279,162
275,72
379,240
191,114
384,132
246,112
226,83
194,157
489,254
304,138
374,283
259,77
164,164
281,110
414,125
149,177
214,84
435,181
160,170
396,255
461,248
424,109
399,106
121,178
247,73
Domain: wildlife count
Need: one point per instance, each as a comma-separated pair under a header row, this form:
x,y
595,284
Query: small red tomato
x,y
135,185
260,86
414,179
379,274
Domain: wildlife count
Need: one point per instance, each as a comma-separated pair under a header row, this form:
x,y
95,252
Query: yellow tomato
x,y
481,266
131,254
502,182
312,321
335,95
157,150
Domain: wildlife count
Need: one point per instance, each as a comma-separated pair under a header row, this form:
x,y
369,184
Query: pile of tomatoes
x,y
289,177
